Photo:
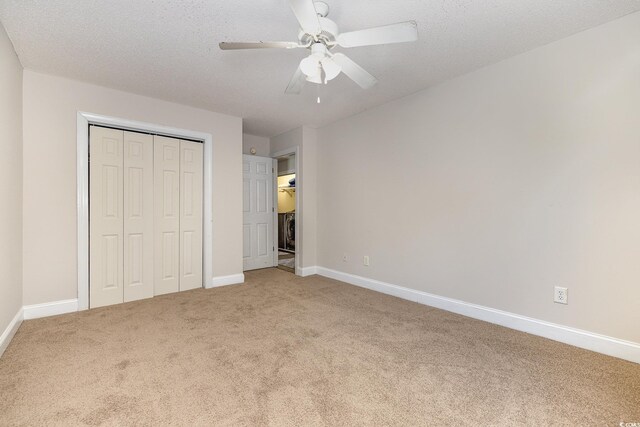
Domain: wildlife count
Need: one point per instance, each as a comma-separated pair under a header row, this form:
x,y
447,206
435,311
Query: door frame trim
x,y
299,186
84,119
274,197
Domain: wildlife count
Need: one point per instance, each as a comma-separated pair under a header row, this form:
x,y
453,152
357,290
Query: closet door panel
x,y
106,223
138,216
167,215
191,170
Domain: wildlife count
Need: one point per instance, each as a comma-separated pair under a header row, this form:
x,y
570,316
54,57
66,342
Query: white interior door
x,y
138,216
167,215
106,225
191,165
258,212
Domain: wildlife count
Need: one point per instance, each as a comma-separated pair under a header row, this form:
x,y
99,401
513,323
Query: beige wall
x,y
10,182
305,139
496,186
260,143
50,107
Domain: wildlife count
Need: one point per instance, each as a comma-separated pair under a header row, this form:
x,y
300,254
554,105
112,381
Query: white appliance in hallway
x,y
258,211
287,231
145,230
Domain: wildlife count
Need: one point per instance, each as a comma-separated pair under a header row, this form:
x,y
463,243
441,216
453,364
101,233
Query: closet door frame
x,y
84,120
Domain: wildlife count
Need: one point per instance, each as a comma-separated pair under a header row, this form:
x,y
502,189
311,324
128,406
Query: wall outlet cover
x,y
561,295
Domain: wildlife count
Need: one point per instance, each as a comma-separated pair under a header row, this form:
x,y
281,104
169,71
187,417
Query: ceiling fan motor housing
x,y
327,36
329,28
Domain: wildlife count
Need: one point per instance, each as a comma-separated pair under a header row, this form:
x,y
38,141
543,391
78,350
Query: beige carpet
x,y
281,350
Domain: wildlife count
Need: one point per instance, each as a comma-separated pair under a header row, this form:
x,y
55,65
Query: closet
x,y
145,215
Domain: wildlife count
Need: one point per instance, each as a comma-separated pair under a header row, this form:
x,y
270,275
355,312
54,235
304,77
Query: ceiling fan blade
x,y
257,45
306,15
394,33
296,83
354,71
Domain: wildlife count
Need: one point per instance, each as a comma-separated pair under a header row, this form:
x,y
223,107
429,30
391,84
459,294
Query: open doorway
x,y
286,208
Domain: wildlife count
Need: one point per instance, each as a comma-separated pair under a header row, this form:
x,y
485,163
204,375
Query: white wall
x,y
260,143
305,139
10,182
50,107
496,186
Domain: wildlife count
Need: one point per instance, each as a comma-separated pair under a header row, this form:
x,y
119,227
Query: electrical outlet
x,y
561,295
365,261
344,258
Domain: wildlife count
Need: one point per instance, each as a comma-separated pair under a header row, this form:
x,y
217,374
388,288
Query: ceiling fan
x,y
320,35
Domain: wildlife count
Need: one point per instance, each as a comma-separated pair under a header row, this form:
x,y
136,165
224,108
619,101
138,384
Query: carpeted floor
x,y
282,350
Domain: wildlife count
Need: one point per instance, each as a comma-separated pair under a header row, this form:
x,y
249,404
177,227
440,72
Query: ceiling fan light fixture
x,y
315,78
319,60
331,69
310,66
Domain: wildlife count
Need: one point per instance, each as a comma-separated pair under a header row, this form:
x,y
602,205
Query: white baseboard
x,y
50,308
307,271
10,331
584,339
231,279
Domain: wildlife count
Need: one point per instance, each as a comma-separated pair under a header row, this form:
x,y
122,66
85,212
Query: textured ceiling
x,y
168,49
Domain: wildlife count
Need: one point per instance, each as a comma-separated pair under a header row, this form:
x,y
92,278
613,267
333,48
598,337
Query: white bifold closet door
x,y
191,165
145,203
106,224
178,215
121,216
167,214
138,216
